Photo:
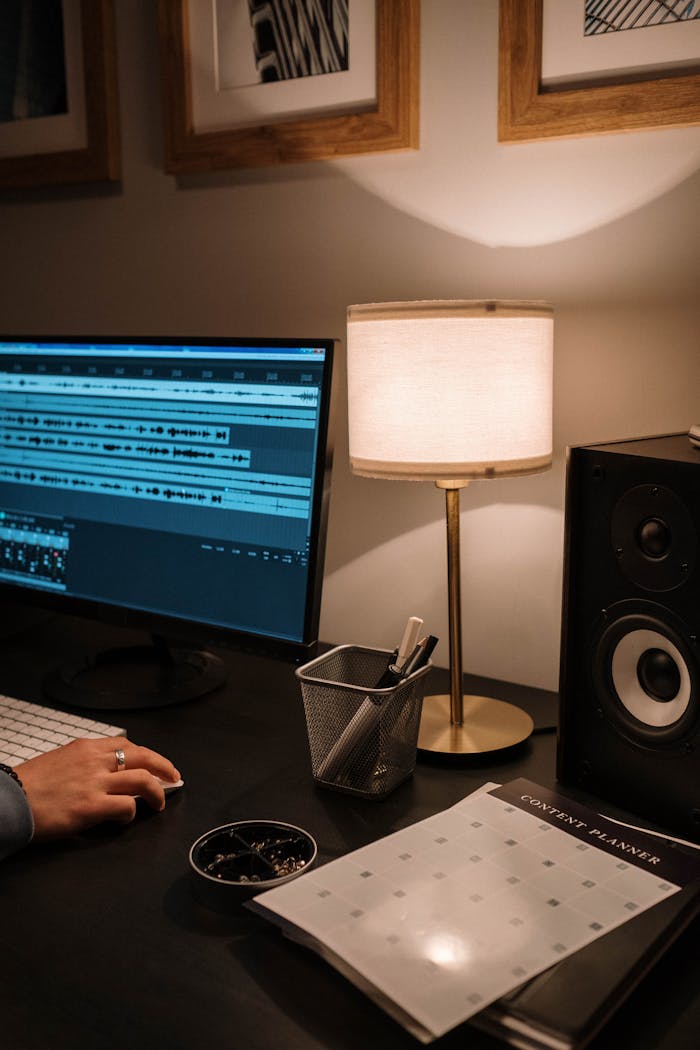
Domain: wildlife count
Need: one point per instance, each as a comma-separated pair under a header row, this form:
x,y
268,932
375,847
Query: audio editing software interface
x,y
169,479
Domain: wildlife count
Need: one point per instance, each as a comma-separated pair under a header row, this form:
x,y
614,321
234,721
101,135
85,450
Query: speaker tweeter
x,y
653,537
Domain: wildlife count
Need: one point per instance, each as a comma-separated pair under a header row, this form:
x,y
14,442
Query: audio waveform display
x,y
105,425
164,451
168,389
167,440
240,499
168,474
100,411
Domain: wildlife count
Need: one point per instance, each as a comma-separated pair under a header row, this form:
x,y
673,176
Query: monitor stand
x,y
134,677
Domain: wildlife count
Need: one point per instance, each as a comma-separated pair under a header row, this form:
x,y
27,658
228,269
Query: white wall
x,y
604,227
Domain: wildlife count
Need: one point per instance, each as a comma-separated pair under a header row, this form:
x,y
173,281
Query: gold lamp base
x,y
488,725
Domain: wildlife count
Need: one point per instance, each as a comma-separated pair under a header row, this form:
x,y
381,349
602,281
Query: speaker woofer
x,y
646,674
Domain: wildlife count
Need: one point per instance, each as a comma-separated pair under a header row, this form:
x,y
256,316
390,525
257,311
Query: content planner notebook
x,y
444,918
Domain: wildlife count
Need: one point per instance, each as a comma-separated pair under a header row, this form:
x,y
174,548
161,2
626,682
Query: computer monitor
x,y
176,485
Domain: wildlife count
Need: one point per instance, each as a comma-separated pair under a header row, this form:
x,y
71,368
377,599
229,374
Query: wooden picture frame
x,y
528,111
391,124
99,158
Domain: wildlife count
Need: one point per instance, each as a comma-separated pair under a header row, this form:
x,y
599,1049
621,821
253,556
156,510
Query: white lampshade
x,y
450,389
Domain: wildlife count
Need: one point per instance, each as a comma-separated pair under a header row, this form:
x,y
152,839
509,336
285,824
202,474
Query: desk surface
x,y
102,945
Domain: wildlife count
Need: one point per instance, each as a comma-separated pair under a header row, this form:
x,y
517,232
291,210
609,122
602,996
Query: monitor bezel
x,y
181,631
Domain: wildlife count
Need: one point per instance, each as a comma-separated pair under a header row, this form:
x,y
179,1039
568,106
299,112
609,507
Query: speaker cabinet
x,y
629,725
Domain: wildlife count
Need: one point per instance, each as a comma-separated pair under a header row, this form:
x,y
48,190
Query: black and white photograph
x,y
58,92
32,60
261,41
277,60
606,41
262,81
616,16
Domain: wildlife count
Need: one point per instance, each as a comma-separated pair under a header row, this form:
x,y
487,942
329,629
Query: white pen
x,y
408,642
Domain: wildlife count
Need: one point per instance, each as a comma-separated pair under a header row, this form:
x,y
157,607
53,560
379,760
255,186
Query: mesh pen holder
x,y
362,739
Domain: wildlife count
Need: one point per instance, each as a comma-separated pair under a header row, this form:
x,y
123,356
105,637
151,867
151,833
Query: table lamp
x,y
451,391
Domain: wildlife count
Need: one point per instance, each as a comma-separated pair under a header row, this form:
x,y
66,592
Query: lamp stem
x,y
454,597
491,725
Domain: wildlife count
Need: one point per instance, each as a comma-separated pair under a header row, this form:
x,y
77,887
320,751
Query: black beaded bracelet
x,y
11,773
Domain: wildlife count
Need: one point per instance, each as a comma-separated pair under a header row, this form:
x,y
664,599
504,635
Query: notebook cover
x,y
566,1005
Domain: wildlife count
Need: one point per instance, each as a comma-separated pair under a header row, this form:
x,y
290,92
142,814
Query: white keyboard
x,y
28,730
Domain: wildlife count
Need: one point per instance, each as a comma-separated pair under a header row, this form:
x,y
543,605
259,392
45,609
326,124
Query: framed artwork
x,y
590,66
59,115
247,84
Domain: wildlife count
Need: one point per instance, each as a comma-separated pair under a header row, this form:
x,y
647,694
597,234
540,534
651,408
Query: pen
x,y
410,637
417,658
352,742
420,655
393,671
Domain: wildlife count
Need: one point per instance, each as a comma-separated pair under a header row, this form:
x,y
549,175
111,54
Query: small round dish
x,y
233,862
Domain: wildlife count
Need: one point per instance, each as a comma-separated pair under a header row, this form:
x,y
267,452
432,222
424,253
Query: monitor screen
x,y
177,485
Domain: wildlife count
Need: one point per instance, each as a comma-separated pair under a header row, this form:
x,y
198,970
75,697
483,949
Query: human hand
x,y
77,786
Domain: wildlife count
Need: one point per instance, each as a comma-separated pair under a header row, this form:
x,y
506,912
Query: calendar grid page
x,y
440,919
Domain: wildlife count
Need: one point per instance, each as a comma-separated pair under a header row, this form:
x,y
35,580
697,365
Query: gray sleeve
x,y
16,823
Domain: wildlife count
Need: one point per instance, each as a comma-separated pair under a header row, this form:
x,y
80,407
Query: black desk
x,y
101,944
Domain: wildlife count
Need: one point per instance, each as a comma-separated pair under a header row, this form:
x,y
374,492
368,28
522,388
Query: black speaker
x,y
629,720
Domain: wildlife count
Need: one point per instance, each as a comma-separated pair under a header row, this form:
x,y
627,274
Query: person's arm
x,y
16,822
82,784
